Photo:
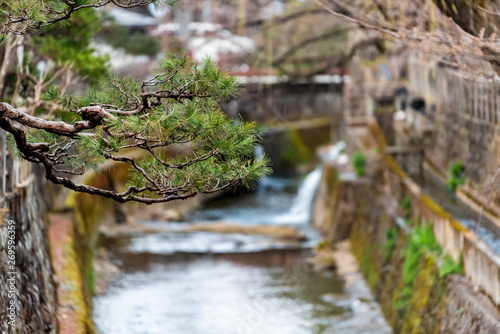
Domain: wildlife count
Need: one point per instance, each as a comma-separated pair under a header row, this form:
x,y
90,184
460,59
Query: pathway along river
x,y
213,283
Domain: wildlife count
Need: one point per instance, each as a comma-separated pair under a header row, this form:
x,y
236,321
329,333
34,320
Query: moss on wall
x,y
400,263
76,294
295,144
368,253
405,277
324,212
89,211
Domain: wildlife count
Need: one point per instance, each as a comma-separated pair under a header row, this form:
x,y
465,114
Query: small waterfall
x,y
302,205
301,208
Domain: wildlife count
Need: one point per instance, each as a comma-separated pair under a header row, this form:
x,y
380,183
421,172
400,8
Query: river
x,y
218,283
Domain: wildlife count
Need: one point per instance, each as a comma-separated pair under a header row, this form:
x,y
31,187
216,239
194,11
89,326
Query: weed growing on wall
x,y
406,205
449,266
359,162
391,235
457,176
421,241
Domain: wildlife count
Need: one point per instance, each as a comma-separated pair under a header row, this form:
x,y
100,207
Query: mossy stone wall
x,y
35,290
420,298
409,308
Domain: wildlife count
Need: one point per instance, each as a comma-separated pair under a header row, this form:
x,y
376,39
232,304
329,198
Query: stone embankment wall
x,y
35,290
51,290
408,247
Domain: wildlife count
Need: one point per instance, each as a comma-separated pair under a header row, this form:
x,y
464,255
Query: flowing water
x,y
214,283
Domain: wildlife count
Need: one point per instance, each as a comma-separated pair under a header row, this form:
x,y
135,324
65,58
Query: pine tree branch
x,y
37,153
59,128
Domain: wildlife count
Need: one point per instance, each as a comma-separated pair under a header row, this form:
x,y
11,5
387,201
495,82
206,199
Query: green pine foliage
x,y
45,11
183,129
